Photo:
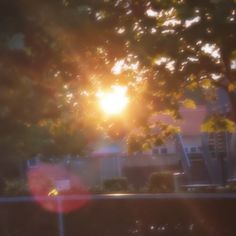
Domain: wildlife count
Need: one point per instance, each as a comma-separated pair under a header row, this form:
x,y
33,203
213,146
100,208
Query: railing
x,y
121,214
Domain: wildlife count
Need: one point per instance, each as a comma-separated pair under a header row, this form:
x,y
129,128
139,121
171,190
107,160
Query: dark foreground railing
x,y
121,215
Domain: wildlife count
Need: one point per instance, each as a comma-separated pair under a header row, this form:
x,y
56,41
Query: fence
x,y
131,214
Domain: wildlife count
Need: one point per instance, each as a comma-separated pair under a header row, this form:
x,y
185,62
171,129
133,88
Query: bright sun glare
x,y
115,101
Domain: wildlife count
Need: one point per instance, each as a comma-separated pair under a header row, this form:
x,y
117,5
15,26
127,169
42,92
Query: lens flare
x,y
47,182
113,102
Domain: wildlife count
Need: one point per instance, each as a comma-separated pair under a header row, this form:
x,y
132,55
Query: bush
x,y
115,185
15,188
161,182
96,189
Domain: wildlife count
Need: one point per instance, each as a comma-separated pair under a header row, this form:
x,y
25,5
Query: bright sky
x,y
114,101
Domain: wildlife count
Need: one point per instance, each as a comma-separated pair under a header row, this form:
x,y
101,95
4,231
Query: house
x,y
191,151
183,152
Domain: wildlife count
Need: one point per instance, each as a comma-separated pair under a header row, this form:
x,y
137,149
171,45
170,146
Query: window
x,y
217,144
155,151
211,148
193,149
163,150
213,154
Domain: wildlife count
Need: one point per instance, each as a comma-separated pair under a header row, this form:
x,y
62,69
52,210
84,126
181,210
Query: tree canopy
x,y
56,55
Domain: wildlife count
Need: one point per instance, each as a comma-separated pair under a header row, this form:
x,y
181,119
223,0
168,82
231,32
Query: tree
x,y
183,45
56,55
38,69
178,47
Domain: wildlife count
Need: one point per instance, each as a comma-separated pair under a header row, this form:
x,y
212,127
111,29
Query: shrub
x,y
161,182
96,190
15,188
119,184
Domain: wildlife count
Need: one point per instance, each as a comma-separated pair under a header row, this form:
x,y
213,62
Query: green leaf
x,y
218,123
189,103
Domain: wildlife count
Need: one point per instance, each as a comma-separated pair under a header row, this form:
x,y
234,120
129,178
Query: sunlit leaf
x,y
218,123
189,103
231,87
206,83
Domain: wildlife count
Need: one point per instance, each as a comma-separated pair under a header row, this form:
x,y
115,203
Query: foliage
x,y
218,123
10,168
161,182
56,55
188,103
37,80
96,190
147,137
15,187
118,184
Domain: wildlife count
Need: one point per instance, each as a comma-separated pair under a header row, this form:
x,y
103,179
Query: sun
x,y
114,101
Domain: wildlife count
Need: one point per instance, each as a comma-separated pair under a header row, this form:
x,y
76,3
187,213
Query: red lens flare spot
x,y
48,182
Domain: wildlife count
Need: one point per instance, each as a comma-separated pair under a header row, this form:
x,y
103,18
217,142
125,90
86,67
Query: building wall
x,y
158,161
192,143
110,167
88,170
166,149
94,170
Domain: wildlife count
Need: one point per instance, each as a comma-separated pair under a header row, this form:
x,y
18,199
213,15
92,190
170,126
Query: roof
x,y
190,125
191,121
107,147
